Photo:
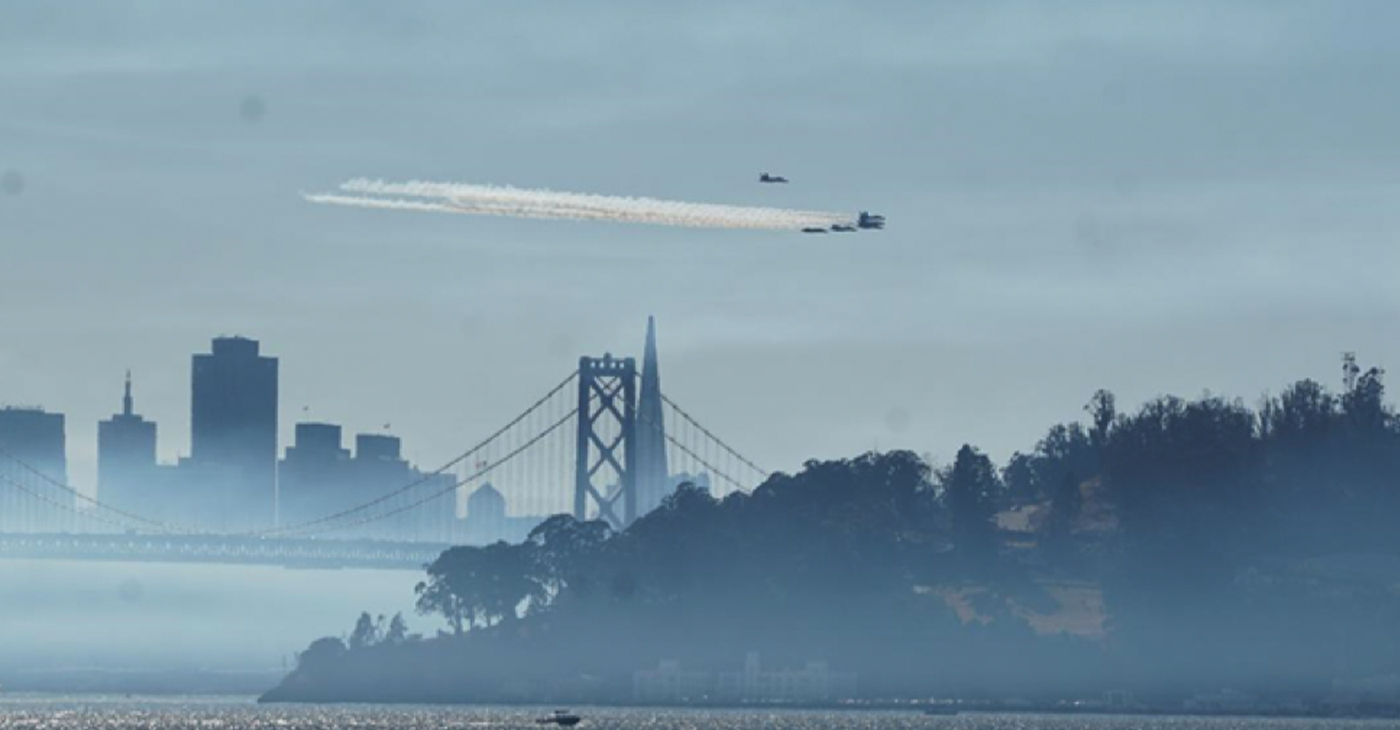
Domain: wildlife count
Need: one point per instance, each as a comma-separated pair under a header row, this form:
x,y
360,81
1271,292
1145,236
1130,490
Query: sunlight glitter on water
x,y
59,712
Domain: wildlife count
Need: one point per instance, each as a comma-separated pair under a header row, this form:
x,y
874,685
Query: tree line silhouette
x,y
1232,546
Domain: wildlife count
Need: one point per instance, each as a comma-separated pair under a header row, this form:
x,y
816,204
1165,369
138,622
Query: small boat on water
x,y
563,718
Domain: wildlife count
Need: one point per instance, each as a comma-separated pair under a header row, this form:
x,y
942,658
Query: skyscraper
x,y
36,438
319,478
378,469
315,466
233,425
652,479
126,456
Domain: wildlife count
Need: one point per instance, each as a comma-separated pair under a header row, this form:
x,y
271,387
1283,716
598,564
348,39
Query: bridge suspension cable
x,y
717,440
60,505
300,528
707,464
707,450
457,483
149,524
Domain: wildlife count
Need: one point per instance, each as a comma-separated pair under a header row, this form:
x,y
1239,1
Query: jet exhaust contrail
x,y
526,203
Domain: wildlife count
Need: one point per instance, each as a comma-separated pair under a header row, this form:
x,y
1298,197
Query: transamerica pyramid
x,y
653,481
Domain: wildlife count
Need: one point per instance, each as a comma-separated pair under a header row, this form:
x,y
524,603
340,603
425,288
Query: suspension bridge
x,y
603,443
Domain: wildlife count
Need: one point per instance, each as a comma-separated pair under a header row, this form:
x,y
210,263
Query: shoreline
x,y
1382,712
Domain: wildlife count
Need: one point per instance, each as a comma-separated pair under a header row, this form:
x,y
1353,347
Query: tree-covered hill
x,y
1222,539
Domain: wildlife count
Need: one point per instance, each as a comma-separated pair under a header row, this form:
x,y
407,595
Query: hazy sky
x,y
1147,197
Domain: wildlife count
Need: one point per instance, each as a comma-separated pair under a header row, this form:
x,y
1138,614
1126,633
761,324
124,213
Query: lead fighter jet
x,y
766,178
870,220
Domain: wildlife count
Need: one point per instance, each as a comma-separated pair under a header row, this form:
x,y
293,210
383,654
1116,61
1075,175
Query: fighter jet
x,y
814,230
766,178
870,220
839,228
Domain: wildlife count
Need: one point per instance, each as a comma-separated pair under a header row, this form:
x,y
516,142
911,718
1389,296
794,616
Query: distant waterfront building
x,y
318,477
233,427
486,515
318,443
37,439
669,683
207,495
1348,695
314,466
315,456
379,469
378,448
813,683
126,457
1118,699
487,521
1226,701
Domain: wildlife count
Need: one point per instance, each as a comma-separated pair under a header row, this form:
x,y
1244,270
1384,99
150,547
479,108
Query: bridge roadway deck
x,y
304,553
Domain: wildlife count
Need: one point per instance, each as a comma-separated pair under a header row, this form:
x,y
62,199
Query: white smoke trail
x,y
389,203
525,203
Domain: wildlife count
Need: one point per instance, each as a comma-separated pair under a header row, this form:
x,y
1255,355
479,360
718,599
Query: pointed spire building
x,y
653,481
126,455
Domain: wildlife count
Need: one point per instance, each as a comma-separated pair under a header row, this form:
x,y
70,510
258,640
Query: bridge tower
x,y
605,464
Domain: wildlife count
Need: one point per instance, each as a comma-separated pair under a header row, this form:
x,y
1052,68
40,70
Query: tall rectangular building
x,y
312,474
37,440
233,424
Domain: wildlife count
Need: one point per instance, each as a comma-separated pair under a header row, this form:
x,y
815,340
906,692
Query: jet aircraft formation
x,y
510,201
865,221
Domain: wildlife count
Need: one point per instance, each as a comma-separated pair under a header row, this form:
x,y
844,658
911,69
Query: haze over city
x,y
1163,199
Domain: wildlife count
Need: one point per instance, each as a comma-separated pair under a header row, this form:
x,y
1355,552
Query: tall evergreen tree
x,y
970,493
